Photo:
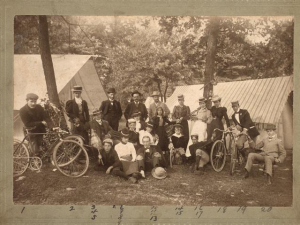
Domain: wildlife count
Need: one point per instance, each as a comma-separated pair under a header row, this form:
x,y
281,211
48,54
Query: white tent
x,y
69,70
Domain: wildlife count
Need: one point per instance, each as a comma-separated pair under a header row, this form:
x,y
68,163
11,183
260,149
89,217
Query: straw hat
x,y
159,173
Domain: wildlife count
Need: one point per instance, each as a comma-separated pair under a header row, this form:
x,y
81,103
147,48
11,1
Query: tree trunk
x,y
47,61
213,28
166,89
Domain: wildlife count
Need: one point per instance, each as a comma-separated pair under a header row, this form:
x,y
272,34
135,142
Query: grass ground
x,y
180,188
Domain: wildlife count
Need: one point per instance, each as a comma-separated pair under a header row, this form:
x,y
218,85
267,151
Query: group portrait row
x,y
152,135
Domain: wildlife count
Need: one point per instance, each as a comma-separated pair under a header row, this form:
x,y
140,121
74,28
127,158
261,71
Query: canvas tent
x,y
265,99
69,70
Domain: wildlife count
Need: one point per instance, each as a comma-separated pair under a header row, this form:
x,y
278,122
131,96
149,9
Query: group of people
x,y
146,142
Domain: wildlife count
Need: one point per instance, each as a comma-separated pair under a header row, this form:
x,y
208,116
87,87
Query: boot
x,y
119,173
246,175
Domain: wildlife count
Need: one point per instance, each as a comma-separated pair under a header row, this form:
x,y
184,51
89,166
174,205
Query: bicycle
x,y
220,151
64,150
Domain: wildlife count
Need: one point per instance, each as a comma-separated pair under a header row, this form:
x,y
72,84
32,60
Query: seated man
x,y
148,154
273,151
127,155
34,116
109,161
133,135
200,152
177,146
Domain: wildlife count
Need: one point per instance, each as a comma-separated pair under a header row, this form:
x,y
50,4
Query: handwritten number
x,y
94,217
71,208
263,209
153,218
242,208
22,209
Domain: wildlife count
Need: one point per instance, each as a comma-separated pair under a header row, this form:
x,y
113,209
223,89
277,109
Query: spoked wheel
x,y
70,158
20,157
35,163
218,156
75,137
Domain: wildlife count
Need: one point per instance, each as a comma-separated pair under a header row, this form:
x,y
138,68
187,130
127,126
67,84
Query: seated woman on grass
x,y
127,155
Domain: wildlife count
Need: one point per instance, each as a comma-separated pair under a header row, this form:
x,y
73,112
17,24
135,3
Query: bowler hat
x,y
194,135
155,93
125,132
159,173
216,98
202,99
32,96
235,103
97,112
180,96
136,92
271,126
108,140
77,88
111,90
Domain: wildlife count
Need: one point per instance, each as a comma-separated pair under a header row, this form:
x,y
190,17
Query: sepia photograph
x,y
153,110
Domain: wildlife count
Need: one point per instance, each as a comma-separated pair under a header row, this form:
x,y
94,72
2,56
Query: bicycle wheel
x,y
20,157
70,158
74,137
35,163
218,156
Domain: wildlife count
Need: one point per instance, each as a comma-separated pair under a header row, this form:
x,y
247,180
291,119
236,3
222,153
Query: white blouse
x,y
125,149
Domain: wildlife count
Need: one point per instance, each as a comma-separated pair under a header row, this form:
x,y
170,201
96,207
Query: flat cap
x,y
32,96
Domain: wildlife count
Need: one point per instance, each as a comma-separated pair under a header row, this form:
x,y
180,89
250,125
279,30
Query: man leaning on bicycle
x,y
34,118
245,125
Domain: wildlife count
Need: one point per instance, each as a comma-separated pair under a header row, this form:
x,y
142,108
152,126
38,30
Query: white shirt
x,y
237,116
125,149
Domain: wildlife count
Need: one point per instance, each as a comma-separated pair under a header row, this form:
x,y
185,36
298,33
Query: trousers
x,y
154,161
36,143
269,160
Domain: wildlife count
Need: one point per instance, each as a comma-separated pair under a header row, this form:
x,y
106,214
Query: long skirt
x,y
163,138
185,130
197,127
215,123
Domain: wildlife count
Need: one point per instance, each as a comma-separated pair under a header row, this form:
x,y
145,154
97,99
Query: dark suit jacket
x,y
246,122
110,159
132,107
73,110
33,118
155,121
104,108
100,130
142,151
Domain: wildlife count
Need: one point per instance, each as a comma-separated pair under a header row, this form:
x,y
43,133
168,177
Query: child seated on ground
x,y
273,152
109,161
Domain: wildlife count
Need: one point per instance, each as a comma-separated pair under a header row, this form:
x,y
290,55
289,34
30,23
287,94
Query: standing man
x,y
244,124
111,109
33,116
153,107
78,112
135,106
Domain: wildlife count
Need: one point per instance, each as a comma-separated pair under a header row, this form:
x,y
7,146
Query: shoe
x,y
133,180
142,173
246,174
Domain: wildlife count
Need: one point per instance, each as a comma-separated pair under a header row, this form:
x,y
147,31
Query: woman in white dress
x,y
201,120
